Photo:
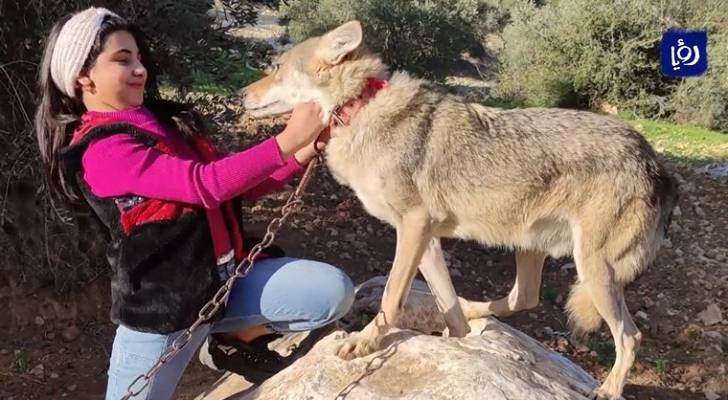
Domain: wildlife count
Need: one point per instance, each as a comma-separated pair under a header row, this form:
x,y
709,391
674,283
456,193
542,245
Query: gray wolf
x,y
544,182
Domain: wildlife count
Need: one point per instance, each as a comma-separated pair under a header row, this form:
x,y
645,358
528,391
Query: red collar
x,y
372,87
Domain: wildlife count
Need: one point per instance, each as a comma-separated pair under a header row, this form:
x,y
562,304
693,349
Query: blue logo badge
x,y
683,53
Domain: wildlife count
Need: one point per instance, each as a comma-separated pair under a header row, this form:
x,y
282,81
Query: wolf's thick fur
x,y
541,181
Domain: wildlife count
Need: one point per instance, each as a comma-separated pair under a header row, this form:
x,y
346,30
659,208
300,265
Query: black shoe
x,y
254,361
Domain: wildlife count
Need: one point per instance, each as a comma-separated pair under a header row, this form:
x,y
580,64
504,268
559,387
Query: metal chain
x,y
241,270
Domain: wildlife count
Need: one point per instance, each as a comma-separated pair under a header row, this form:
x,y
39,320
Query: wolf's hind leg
x,y
524,294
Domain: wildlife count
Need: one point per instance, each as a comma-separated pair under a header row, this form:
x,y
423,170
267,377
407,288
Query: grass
x,y
549,294
20,362
605,351
661,366
693,144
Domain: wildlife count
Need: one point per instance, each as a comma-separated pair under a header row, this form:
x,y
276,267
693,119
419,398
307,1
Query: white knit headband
x,y
73,46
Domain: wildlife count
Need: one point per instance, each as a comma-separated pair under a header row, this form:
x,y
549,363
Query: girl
x,y
170,203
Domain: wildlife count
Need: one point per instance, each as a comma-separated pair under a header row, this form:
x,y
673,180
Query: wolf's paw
x,y
356,345
603,394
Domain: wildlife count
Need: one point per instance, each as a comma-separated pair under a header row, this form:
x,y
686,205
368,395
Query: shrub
x,y
704,100
422,36
580,53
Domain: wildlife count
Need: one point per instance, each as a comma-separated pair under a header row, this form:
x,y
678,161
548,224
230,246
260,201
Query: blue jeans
x,y
287,294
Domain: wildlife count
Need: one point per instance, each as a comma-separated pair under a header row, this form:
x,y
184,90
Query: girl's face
x,y
116,80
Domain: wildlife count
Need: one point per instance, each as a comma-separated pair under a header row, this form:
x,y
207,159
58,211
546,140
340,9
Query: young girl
x,y
171,206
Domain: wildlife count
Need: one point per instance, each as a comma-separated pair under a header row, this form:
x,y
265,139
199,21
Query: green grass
x,y
549,294
693,144
660,366
605,352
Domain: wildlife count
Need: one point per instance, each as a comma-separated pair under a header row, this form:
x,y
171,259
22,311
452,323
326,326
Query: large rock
x,y
494,362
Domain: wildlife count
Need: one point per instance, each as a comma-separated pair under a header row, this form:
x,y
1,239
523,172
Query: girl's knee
x,y
335,295
342,297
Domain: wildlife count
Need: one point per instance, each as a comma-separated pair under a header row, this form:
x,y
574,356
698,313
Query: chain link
x,y
292,205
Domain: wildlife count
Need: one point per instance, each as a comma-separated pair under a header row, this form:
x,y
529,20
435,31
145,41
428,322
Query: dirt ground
x,y
58,347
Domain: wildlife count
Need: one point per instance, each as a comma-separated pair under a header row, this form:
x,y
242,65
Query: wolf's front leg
x,y
413,235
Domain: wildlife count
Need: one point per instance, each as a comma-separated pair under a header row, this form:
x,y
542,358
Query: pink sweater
x,y
120,165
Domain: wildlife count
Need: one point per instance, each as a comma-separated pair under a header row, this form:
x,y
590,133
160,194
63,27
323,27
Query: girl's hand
x,y
346,113
308,152
303,127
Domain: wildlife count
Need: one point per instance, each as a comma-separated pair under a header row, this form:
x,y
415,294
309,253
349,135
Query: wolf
x,y
543,182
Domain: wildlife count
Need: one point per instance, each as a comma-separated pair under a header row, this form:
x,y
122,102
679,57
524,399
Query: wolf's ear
x,y
336,44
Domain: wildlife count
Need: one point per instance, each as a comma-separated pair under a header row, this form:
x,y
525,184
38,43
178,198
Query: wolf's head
x,y
328,69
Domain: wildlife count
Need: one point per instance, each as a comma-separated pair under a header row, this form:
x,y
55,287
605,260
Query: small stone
x,y
51,336
677,212
711,315
345,256
71,333
55,376
715,335
559,299
39,321
568,266
593,353
71,388
38,370
455,272
665,327
533,315
661,296
582,349
548,331
4,351
642,315
648,302
711,396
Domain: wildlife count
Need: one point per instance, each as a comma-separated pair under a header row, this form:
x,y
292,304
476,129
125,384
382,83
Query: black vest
x,y
161,252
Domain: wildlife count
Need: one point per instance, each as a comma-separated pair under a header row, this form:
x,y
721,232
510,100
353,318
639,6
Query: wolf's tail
x,y
583,315
668,194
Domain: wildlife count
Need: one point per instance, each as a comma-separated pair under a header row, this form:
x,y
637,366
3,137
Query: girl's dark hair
x,y
58,115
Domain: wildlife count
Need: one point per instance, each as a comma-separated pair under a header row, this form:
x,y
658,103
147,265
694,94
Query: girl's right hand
x,y
303,127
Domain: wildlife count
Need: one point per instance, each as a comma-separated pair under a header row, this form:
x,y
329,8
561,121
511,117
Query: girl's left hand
x,y
346,113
